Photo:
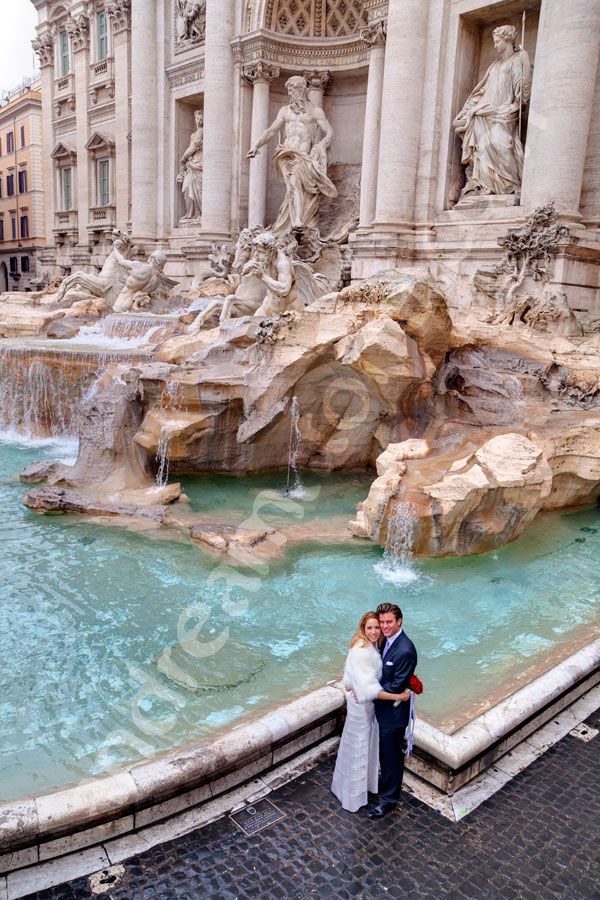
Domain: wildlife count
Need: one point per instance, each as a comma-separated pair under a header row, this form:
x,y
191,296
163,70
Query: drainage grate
x,y
584,732
254,818
106,880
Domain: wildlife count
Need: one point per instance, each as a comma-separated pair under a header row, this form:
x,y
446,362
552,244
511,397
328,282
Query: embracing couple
x,y
378,672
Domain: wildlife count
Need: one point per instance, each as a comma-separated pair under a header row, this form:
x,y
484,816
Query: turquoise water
x,y
87,612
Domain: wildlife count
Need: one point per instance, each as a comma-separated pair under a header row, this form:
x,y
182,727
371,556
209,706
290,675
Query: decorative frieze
x,y
297,55
185,73
120,14
79,32
260,71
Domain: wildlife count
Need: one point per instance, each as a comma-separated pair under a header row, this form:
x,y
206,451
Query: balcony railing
x,y
102,218
65,222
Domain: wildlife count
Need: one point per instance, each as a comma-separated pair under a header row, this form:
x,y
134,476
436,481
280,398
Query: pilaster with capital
x,y
374,35
119,13
260,75
144,122
44,47
78,30
318,82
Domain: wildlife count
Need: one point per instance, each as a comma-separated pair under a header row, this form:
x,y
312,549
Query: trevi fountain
x,y
364,367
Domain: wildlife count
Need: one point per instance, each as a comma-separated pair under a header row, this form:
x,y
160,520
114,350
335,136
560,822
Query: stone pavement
x,y
536,839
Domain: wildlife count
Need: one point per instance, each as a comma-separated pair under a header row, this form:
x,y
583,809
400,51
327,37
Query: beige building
x,y
122,80
22,234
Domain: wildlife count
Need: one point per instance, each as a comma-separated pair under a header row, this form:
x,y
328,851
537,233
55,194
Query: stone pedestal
x,y
561,104
260,76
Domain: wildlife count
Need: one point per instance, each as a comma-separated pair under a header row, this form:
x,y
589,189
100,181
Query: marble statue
x,y
490,121
249,295
291,284
190,174
191,20
143,280
111,279
300,159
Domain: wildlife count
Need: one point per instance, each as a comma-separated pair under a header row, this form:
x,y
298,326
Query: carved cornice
x,y
375,34
376,9
79,31
120,13
318,79
260,71
300,54
185,73
44,47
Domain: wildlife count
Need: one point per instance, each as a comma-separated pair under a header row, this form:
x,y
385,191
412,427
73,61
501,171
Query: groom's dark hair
x,y
389,608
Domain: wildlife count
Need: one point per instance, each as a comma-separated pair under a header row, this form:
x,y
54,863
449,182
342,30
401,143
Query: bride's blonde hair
x,y
360,637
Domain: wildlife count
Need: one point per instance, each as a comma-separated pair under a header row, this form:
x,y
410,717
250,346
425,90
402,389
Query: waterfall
x,y
296,490
42,388
397,565
173,400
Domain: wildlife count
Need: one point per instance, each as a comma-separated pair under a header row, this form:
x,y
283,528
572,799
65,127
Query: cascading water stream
x,y
172,399
294,490
397,565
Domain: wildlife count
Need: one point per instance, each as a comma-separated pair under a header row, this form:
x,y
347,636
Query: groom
x,y
399,659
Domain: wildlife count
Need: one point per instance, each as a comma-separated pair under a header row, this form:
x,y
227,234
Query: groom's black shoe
x,y
382,809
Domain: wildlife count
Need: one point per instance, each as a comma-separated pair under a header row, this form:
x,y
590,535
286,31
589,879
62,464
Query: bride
x,y
357,763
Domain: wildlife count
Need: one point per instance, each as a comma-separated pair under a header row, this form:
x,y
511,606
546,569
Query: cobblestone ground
x,y
536,839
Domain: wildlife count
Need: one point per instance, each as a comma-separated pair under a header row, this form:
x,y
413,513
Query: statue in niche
x,y
291,284
191,21
190,173
111,279
144,280
300,159
247,297
489,123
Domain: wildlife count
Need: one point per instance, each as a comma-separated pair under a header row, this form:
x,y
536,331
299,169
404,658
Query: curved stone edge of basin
x,y
41,828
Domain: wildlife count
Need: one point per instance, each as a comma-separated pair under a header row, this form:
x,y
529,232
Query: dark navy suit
x,y
399,663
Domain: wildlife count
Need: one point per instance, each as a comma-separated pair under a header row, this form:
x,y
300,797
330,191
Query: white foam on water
x,y
65,448
397,566
395,572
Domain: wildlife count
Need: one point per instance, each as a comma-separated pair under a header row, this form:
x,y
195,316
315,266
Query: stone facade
x,y
21,188
122,81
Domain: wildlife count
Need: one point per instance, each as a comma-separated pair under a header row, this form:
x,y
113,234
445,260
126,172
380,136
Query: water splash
x,y
397,565
294,487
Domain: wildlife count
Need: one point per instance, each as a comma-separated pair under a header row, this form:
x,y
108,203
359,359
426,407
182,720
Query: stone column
x,y
144,121
121,29
79,32
260,75
403,78
44,47
317,81
374,36
566,60
218,119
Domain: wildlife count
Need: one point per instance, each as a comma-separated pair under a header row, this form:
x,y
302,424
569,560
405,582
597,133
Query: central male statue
x,y
300,159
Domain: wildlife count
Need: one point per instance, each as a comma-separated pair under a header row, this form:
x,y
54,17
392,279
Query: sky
x,y
18,19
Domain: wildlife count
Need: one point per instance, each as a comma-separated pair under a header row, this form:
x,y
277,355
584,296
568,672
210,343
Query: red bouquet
x,y
415,685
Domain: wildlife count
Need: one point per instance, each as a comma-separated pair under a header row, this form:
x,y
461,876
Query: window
x,y
10,145
102,36
67,190
10,185
63,47
1,229
23,181
22,135
24,264
103,183
13,227
24,226
14,265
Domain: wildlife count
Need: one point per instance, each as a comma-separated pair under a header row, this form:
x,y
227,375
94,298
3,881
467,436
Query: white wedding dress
x,y
357,764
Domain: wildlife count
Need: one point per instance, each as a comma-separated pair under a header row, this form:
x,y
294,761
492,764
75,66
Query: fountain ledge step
x,y
112,812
